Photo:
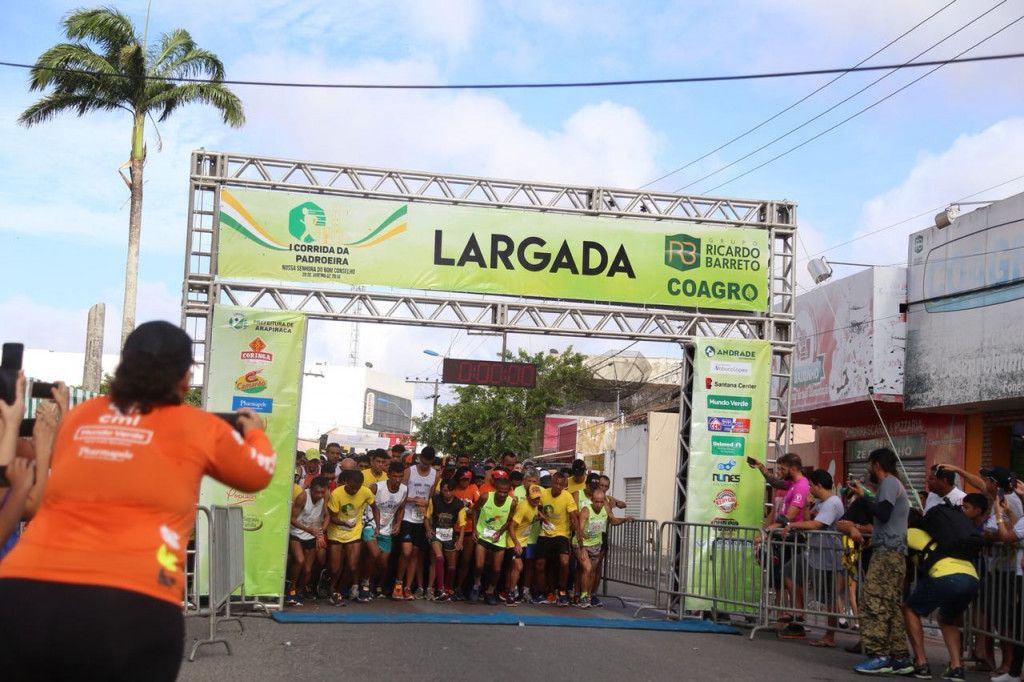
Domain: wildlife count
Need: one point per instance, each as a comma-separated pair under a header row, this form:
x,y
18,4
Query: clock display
x,y
489,373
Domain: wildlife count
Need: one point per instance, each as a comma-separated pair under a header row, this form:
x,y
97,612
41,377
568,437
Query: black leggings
x,y
60,631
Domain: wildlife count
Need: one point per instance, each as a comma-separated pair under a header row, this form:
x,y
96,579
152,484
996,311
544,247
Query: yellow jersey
x,y
522,523
369,478
556,511
350,509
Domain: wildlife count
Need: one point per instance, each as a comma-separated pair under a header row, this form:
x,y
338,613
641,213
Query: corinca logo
x,y
682,252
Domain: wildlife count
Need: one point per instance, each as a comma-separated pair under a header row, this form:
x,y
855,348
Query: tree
x,y
487,420
108,67
194,396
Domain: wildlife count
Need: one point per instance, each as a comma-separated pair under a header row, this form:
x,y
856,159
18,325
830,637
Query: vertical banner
x,y
731,394
256,361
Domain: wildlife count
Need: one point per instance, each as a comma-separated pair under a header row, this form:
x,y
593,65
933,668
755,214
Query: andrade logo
x,y
728,446
251,382
682,252
255,353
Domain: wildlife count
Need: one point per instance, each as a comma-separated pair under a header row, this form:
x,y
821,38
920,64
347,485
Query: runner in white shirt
x,y
412,535
390,497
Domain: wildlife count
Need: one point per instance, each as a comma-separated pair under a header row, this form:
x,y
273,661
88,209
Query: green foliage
x,y
487,420
194,396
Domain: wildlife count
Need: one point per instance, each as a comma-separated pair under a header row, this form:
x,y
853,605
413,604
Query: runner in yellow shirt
x,y
558,513
523,522
578,478
345,531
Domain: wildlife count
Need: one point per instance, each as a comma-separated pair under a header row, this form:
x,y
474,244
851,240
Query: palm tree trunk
x,y
131,272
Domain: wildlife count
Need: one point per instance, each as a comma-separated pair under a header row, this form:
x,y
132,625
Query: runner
x,y
583,497
466,491
311,467
594,520
530,478
307,543
444,513
577,477
559,515
345,531
521,539
390,498
397,452
413,537
493,515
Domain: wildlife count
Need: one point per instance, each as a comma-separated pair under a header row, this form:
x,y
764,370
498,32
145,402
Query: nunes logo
x,y
682,252
251,382
255,353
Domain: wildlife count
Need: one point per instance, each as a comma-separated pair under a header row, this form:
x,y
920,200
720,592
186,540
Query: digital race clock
x,y
489,373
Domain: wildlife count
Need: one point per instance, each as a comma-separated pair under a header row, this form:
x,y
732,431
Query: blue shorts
x,y
950,594
383,541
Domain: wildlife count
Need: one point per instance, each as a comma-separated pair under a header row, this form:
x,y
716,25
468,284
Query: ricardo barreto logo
x,y
256,353
687,253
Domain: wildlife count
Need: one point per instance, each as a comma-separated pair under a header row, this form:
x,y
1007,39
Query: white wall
x,y
662,452
333,396
48,365
630,461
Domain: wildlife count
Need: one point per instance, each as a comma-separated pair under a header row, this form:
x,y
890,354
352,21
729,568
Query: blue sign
x,y
255,404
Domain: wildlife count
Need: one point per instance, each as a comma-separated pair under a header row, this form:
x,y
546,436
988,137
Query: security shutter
x,y
634,496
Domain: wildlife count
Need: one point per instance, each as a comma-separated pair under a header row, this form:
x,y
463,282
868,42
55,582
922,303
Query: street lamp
x,y
821,269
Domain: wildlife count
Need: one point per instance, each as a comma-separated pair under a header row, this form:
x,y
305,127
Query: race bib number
x,y
548,526
490,534
445,534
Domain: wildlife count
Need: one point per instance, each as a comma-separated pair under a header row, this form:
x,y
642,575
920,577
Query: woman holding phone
x,y
96,583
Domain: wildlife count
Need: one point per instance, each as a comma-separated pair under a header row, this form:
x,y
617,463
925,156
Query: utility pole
x,y
433,382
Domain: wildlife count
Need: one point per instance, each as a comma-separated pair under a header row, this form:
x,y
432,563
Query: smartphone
x,y
1002,494
25,430
11,356
230,418
751,461
42,390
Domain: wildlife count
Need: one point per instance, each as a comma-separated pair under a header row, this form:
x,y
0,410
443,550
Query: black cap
x,y
593,479
1000,475
162,341
579,466
428,453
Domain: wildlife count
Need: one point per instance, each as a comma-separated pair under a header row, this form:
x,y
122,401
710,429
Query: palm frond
x,y
108,27
191,64
52,67
213,94
171,46
57,103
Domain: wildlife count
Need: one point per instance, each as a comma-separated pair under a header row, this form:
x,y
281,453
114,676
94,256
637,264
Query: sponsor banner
x,y
292,237
259,352
729,375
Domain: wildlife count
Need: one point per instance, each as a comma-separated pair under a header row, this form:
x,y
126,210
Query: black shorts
x,y
414,533
58,631
490,546
552,548
305,544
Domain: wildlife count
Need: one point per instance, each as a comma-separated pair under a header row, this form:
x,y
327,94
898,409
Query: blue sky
x,y
64,220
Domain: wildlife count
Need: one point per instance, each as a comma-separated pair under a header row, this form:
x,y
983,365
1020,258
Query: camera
x,y
230,418
10,365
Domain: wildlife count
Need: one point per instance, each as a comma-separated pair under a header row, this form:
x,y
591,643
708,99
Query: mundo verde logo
x,y
305,218
682,252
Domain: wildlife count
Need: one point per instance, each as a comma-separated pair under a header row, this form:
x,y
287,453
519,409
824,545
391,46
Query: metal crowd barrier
x,y
633,556
225,571
998,611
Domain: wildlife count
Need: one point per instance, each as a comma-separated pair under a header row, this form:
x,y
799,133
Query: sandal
x,y
822,644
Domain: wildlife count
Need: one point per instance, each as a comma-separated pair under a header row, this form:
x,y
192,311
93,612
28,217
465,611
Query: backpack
x,y
954,536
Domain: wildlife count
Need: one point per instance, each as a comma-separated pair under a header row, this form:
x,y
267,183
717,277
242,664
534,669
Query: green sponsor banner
x,y
256,362
731,395
292,237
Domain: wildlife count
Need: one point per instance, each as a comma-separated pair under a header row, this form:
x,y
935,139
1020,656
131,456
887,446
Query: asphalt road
x,y
267,650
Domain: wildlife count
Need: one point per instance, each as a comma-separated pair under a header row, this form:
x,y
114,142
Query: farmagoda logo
x,y
682,252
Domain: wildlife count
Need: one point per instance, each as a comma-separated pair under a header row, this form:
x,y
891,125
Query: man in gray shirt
x,y
881,613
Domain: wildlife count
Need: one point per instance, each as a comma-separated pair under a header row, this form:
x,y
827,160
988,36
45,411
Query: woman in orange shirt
x,y
95,585
466,491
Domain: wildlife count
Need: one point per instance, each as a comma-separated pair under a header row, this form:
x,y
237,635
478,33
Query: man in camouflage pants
x,y
881,606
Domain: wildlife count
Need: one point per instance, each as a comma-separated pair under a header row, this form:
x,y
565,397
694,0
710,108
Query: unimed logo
x,y
682,252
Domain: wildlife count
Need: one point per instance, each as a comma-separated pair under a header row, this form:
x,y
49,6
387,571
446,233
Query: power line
x,y
844,100
855,115
802,99
526,86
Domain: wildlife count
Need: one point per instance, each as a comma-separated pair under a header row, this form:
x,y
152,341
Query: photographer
x,y
19,470
101,568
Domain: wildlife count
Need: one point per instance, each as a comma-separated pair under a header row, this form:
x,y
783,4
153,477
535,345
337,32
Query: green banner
x,y
731,395
256,362
292,237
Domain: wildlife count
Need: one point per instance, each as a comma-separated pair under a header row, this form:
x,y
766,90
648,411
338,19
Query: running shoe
x,y
474,594
584,602
595,602
563,599
418,594
1005,677
442,596
491,599
538,598
407,594
880,665
525,595
292,599
458,596
503,596
337,599
396,593
353,593
957,674
323,585
379,593
511,601
902,666
308,595
430,594
552,599
573,599
364,595
796,631
923,672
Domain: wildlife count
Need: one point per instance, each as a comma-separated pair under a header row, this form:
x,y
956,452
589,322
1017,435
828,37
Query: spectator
x,y
1011,532
121,581
882,628
942,489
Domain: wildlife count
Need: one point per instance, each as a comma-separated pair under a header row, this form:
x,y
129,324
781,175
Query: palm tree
x,y
107,67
